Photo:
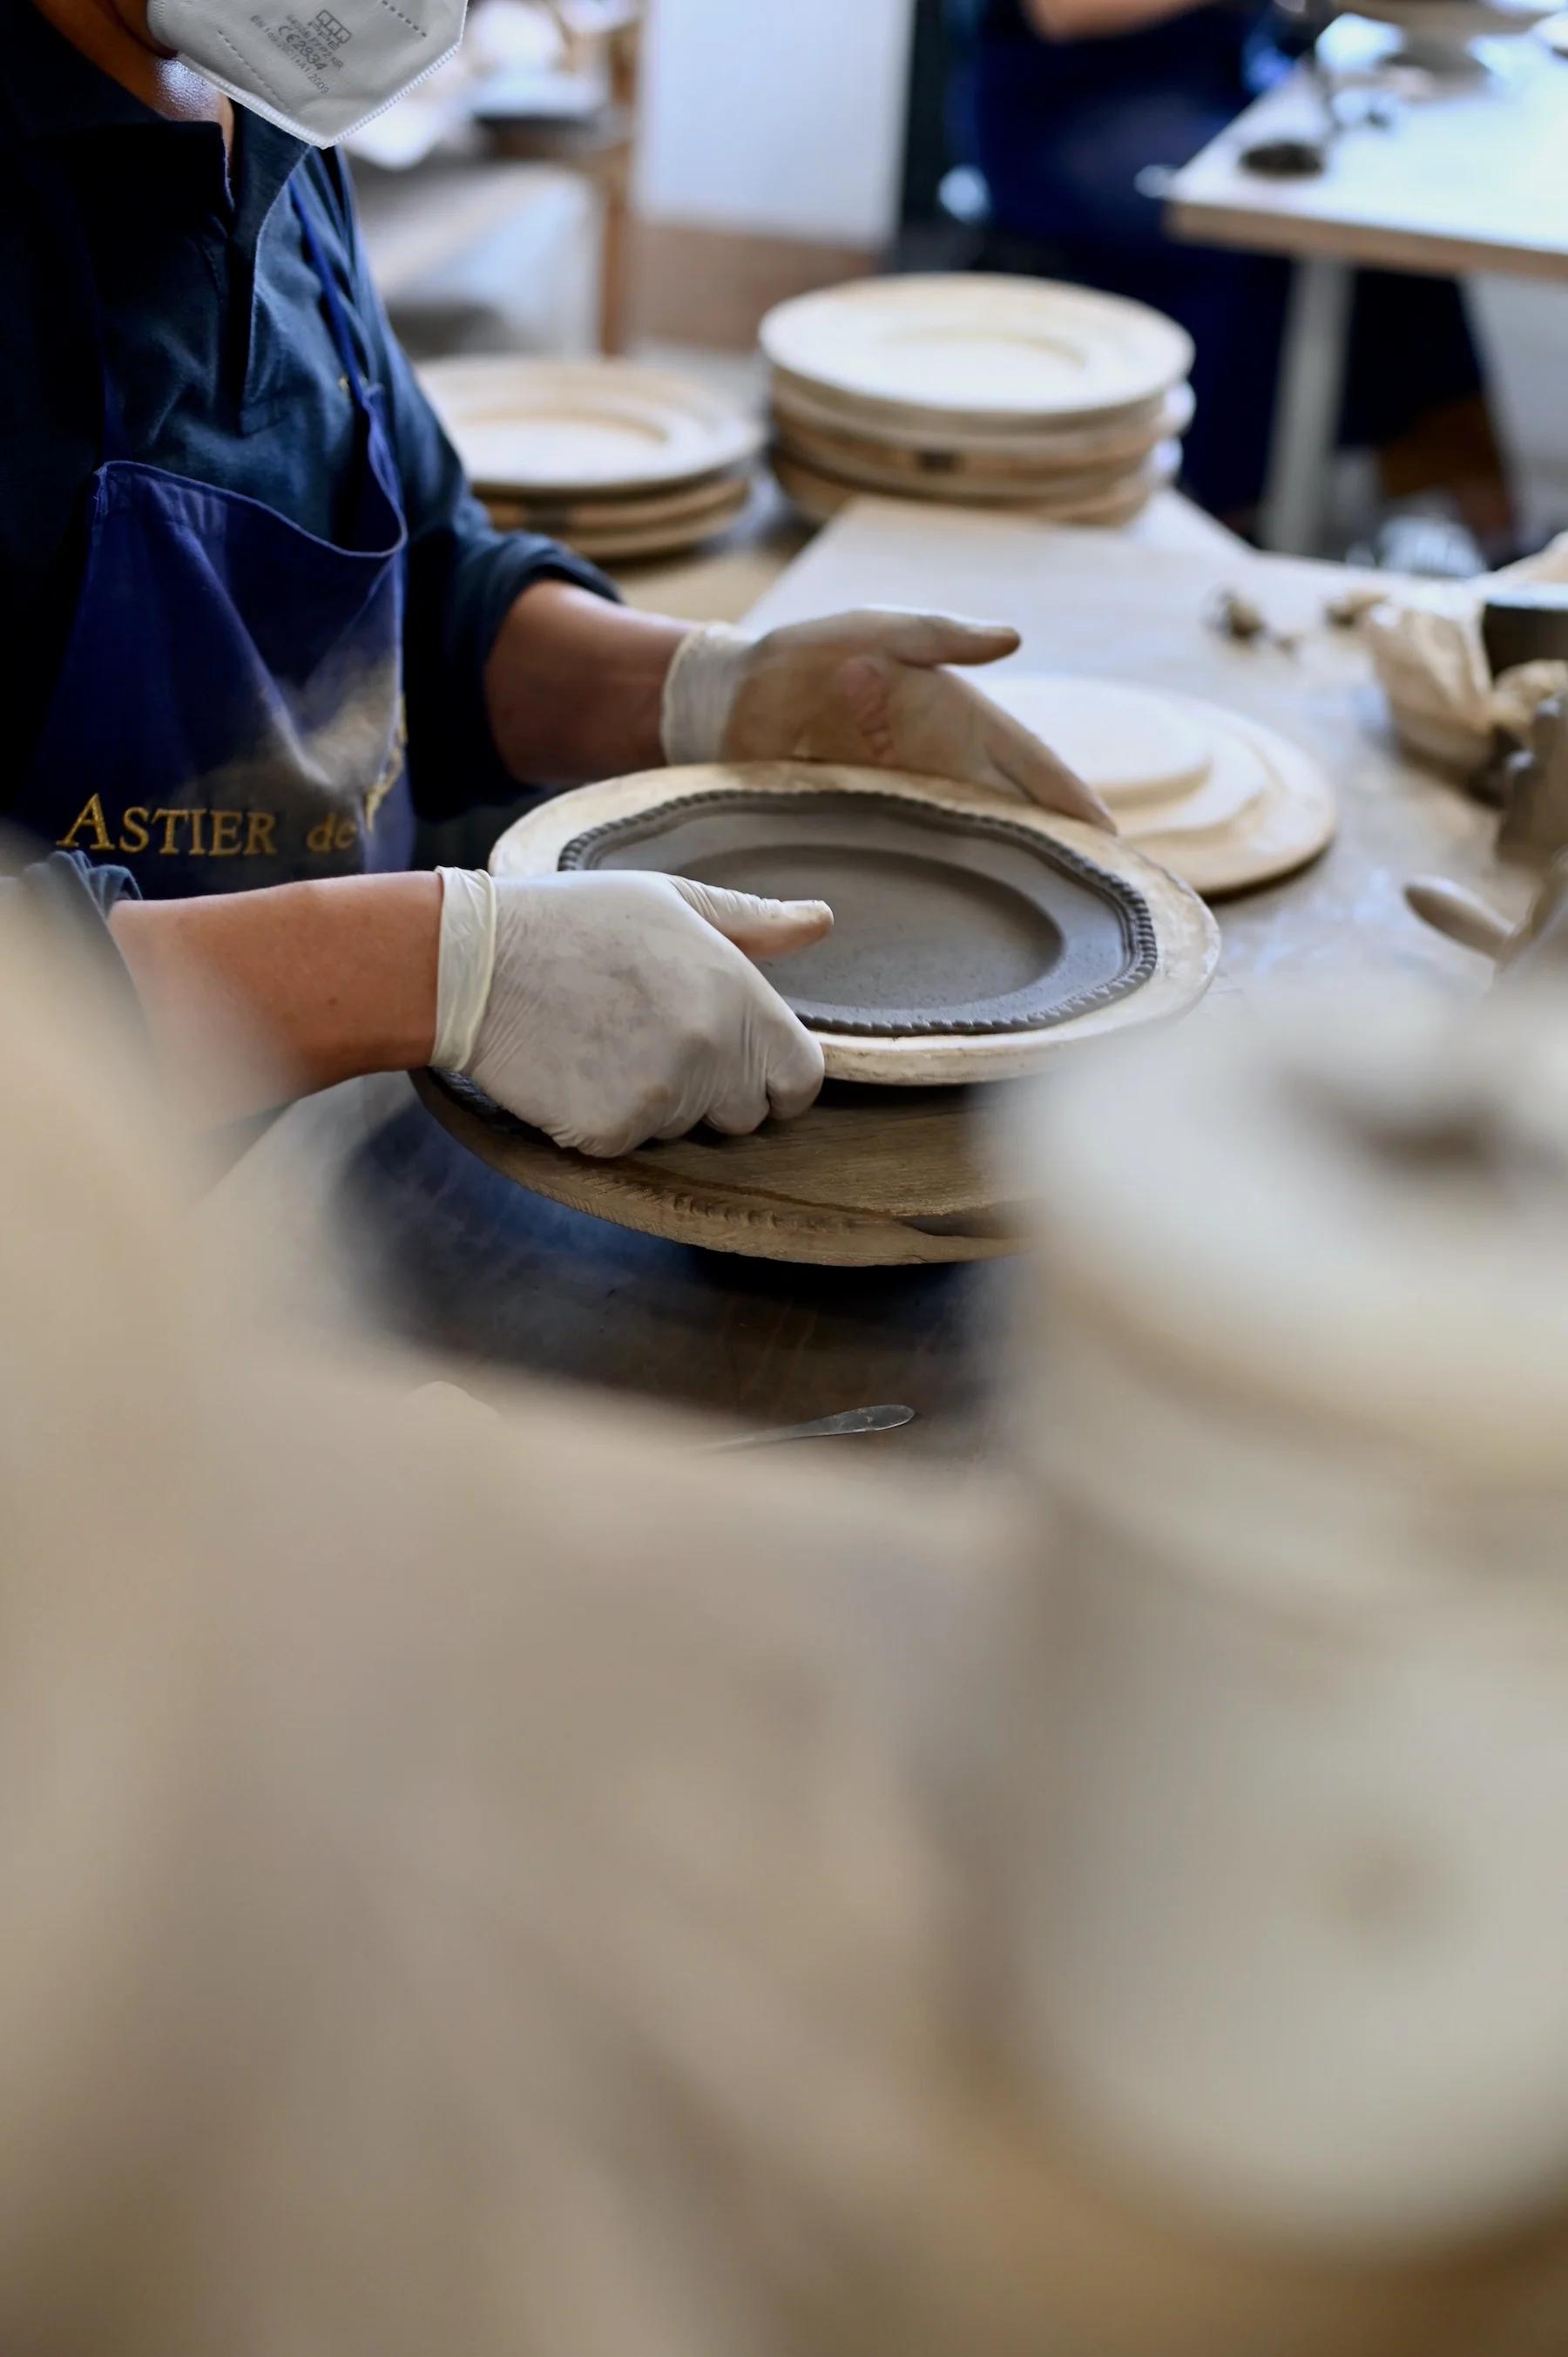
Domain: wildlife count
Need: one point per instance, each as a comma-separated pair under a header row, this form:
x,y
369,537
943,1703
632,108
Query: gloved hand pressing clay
x,y
867,689
608,1009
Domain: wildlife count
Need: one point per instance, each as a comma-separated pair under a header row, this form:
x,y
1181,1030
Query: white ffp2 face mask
x,y
318,72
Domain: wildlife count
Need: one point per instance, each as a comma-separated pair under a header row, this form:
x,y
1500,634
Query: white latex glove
x,y
865,689
608,1009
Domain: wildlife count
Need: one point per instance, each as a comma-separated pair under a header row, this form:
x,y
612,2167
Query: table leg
x,y
615,255
1312,379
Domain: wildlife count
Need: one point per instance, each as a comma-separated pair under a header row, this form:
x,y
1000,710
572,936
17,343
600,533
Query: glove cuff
x,y
700,692
468,957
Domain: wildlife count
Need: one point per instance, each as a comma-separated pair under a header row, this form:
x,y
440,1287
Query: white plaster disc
x,y
1239,776
1132,745
1258,807
1286,822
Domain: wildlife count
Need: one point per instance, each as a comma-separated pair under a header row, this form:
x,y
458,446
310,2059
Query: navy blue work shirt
x,y
224,365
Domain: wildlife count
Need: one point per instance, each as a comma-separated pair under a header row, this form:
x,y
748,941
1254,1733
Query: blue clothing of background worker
x,y
1062,104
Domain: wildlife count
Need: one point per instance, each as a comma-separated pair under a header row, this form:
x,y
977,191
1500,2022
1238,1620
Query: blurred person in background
x,y
256,621
1063,104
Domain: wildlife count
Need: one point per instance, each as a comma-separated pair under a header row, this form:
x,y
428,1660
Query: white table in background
x,y
1471,178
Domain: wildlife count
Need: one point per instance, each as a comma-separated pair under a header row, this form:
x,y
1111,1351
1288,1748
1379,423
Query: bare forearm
x,y
1089,20
319,982
574,686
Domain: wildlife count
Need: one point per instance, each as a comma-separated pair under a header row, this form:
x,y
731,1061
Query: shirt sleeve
x,y
463,578
76,900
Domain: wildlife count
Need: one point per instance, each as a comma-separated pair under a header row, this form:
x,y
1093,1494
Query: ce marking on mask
x,y
313,44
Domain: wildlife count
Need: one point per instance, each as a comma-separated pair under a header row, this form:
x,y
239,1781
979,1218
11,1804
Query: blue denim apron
x,y
228,712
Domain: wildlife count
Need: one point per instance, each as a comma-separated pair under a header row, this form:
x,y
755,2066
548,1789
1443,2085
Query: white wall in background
x,y
779,116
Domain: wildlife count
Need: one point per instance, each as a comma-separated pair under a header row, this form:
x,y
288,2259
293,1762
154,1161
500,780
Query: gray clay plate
x,y
945,921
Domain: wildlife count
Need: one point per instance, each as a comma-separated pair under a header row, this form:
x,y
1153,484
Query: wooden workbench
x,y
477,1265
1468,177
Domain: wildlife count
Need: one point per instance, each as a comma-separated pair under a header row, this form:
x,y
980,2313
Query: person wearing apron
x,y
260,671
1064,105
255,619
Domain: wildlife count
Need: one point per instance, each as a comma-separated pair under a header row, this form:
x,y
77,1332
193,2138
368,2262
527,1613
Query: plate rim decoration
x,y
1186,937
1140,944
